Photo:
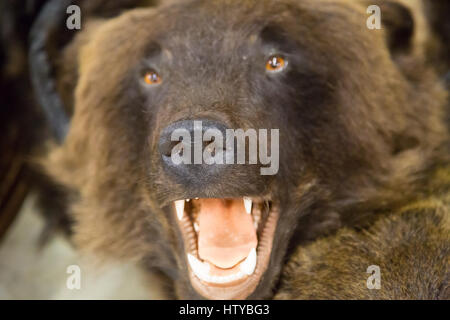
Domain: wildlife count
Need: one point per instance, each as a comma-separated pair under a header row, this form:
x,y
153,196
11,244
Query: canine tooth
x,y
248,205
249,264
196,227
179,206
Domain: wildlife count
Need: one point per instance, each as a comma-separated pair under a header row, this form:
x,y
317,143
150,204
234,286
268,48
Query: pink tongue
x,y
226,233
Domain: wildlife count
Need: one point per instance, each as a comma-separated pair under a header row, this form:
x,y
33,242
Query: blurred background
x,y
35,248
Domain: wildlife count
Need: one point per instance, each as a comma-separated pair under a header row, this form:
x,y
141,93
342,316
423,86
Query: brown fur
x,y
376,140
411,246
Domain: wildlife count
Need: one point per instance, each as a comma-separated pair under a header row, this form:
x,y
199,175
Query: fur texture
x,y
361,125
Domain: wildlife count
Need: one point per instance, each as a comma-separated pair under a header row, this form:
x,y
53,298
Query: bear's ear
x,y
53,54
45,41
398,22
53,61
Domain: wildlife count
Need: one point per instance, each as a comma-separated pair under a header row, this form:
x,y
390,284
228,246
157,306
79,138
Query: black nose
x,y
191,150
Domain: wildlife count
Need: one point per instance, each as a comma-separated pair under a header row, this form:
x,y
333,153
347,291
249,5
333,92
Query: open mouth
x,y
228,243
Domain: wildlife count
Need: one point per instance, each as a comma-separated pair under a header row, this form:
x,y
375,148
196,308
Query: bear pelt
x,y
362,135
410,248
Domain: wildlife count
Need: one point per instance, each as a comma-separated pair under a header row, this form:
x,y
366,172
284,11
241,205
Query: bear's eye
x,y
152,77
276,63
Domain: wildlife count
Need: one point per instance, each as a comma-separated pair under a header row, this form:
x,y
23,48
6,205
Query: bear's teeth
x,y
249,264
179,206
196,227
248,205
201,270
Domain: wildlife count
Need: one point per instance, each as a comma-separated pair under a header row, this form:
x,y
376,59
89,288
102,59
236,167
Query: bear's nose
x,y
195,150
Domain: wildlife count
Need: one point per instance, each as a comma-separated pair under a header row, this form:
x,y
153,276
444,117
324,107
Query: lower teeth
x,y
202,269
